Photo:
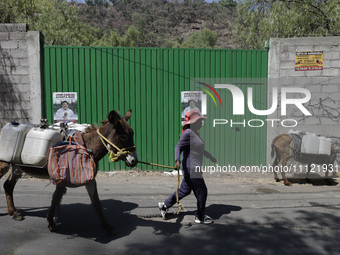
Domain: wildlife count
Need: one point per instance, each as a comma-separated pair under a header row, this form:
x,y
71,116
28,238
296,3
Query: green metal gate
x,y
150,81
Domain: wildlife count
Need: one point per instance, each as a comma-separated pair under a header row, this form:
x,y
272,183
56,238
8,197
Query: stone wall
x,y
324,85
20,77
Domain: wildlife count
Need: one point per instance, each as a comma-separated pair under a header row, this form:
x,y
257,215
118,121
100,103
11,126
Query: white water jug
x,y
325,145
11,142
37,144
310,144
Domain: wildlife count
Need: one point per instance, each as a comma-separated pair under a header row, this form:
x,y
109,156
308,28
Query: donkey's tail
x,y
272,153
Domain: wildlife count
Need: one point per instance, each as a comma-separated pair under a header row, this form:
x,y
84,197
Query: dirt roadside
x,y
149,177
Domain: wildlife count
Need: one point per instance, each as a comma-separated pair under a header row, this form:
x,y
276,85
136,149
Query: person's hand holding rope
x,y
177,165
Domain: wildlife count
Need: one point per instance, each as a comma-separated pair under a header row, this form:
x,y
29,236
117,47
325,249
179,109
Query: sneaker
x,y
162,208
205,220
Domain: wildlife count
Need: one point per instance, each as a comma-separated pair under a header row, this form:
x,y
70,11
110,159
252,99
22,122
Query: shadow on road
x,y
236,236
314,180
80,220
309,232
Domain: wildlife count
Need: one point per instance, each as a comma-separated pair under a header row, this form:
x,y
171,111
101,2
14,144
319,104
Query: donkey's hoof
x,y
287,183
17,216
277,179
52,227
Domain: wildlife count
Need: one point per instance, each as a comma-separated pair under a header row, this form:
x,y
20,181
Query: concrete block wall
x,y
20,77
324,85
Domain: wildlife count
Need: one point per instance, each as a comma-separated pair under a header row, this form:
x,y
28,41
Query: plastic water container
x,y
37,144
310,144
325,145
11,142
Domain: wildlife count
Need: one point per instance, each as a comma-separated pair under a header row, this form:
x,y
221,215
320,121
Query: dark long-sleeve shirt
x,y
191,146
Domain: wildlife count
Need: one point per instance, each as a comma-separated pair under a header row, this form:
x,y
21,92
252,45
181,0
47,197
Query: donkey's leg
x,y
276,163
93,193
4,167
283,164
9,187
55,204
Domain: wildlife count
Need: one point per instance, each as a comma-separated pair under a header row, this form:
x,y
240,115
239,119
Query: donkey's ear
x,y
127,115
114,117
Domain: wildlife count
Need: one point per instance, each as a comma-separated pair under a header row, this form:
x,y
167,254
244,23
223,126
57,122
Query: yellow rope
x,y
154,164
177,200
178,181
120,152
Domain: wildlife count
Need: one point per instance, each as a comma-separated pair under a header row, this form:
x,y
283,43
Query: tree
x,y
108,40
97,2
130,39
227,3
259,20
57,21
204,39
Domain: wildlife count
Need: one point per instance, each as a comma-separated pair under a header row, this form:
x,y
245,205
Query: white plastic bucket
x,y
37,144
11,142
310,144
325,145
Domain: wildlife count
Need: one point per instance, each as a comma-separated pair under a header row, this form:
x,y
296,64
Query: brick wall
x,y
324,85
20,96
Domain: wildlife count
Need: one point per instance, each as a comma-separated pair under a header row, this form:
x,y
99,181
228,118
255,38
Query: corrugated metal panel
x,y
150,81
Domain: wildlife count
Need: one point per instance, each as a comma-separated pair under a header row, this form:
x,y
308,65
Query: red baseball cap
x,y
193,116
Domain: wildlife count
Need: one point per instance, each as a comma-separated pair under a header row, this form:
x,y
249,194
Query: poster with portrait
x,y
65,106
191,100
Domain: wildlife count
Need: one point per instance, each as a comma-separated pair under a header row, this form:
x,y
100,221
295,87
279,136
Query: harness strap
x,y
120,152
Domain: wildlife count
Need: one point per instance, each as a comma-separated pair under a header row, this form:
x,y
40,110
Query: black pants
x,y
197,185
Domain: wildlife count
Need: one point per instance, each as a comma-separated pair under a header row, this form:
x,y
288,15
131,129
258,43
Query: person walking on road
x,y
191,146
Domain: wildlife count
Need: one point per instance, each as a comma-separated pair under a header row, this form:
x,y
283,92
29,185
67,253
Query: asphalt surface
x,y
252,216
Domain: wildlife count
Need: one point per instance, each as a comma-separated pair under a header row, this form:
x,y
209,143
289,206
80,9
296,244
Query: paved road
x,y
250,218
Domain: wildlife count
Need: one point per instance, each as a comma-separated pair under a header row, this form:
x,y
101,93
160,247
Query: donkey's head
x,y
120,135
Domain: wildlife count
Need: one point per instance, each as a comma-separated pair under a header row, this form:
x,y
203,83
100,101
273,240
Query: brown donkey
x,y
281,148
115,129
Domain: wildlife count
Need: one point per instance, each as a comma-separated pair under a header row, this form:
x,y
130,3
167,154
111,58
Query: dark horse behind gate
x,y
115,129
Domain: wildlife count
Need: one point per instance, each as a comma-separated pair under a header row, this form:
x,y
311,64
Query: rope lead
x,y
178,182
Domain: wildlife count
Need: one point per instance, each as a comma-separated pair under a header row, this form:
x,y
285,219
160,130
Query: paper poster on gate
x,y
191,100
65,107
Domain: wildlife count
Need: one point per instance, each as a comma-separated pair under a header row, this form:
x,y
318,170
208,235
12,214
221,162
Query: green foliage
x,y
57,20
124,23
130,39
259,20
168,43
97,2
204,39
159,23
227,3
108,40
